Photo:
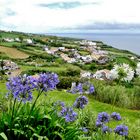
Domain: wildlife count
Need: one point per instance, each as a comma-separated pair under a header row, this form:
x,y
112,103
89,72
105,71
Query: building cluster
x,y
73,55
26,40
8,65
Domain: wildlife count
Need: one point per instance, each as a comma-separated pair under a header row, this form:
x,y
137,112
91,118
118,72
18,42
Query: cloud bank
x,y
69,15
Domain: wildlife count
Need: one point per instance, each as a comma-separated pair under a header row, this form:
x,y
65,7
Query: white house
x,y
61,48
102,74
28,41
85,74
17,40
91,43
8,39
87,58
88,43
46,49
72,60
49,52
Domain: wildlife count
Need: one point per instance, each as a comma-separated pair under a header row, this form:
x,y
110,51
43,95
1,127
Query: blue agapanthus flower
x,y
103,117
91,89
47,81
69,114
79,88
99,123
84,129
81,102
21,87
116,116
121,130
59,103
106,129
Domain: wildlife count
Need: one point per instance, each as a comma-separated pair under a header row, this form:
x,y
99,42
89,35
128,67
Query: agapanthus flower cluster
x,y
106,129
59,103
116,116
84,129
68,114
138,69
81,88
81,102
47,81
121,130
21,87
121,72
104,118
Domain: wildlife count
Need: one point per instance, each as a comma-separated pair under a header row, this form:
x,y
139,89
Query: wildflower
x,y
68,114
59,103
73,89
116,116
103,117
47,81
122,72
84,129
106,129
80,88
91,89
81,102
98,123
21,87
121,130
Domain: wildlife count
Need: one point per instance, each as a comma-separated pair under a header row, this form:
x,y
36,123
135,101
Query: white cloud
x,y
32,18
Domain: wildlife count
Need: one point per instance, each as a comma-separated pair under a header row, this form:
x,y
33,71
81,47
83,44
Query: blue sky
x,y
42,16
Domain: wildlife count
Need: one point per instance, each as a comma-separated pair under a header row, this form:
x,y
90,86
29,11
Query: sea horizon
x,y
123,41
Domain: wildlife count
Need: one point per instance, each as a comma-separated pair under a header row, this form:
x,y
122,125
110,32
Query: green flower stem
x,y
18,107
13,109
113,105
39,93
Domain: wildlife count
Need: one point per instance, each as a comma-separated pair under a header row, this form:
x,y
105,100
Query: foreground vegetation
x,y
41,119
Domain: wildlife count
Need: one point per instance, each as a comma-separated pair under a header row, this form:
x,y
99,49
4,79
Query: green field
x,y
13,52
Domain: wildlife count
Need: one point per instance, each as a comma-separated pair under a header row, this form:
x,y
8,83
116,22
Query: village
x,y
69,55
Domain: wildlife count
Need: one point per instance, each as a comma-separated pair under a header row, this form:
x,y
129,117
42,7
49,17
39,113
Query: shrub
x,y
33,71
65,82
117,95
70,72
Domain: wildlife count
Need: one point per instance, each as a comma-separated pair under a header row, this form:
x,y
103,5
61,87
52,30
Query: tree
x,y
21,38
2,65
0,38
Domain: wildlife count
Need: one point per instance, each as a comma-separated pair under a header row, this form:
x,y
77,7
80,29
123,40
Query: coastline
x,y
129,42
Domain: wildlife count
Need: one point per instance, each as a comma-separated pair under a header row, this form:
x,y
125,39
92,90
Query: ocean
x,y
129,42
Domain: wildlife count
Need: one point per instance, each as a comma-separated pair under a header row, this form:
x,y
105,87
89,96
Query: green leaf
x,y
3,136
47,117
40,137
59,126
16,131
58,134
30,127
